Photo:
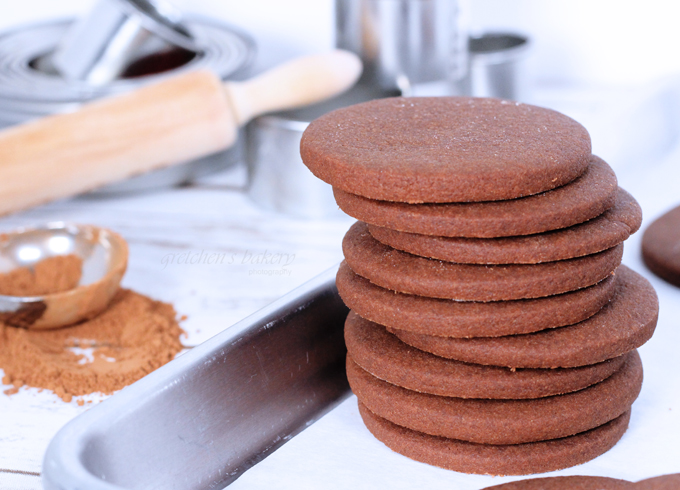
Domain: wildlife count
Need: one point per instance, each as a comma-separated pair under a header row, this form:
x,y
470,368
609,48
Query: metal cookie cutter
x,y
115,33
32,87
496,65
277,179
403,43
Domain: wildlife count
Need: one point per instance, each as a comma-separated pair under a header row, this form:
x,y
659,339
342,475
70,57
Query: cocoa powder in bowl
x,y
132,337
49,276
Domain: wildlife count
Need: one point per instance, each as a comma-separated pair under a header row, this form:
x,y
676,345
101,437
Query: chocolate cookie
x,y
486,459
661,246
501,421
610,228
445,149
446,318
626,323
585,198
406,273
665,482
566,483
384,356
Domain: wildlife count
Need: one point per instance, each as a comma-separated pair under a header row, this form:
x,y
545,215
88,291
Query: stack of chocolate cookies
x,y
493,329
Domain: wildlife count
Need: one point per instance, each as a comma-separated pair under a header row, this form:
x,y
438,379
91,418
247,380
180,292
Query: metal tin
x,y
277,178
404,42
115,33
496,65
26,92
201,420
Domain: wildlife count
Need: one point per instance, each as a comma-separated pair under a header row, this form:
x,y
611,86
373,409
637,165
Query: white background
x,y
582,41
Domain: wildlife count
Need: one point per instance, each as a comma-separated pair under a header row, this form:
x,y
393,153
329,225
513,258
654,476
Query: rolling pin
x,y
173,121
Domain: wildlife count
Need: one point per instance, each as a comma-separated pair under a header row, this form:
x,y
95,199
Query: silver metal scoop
x,y
104,255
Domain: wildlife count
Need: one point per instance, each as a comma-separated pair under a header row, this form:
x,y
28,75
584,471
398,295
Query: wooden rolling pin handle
x,y
171,122
294,84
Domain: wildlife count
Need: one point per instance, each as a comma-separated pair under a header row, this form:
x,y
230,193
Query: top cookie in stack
x,y
441,150
501,207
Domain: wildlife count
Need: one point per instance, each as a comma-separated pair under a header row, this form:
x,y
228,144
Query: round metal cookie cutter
x,y
278,180
115,33
496,65
28,91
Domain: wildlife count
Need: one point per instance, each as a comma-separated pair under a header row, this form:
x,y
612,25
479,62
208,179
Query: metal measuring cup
x,y
104,254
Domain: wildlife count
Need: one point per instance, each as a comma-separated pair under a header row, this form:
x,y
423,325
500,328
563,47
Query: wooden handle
x,y
171,122
294,84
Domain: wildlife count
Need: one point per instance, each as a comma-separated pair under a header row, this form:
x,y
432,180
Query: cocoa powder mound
x,y
132,337
51,275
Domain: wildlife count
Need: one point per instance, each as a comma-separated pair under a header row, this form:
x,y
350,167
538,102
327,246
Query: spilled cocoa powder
x,y
50,275
132,337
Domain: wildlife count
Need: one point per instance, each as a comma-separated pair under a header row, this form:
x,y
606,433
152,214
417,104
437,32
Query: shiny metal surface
x,y
30,92
404,42
26,247
104,256
277,178
115,33
204,418
496,68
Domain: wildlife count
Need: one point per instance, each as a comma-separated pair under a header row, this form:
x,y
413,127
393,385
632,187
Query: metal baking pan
x,y
203,419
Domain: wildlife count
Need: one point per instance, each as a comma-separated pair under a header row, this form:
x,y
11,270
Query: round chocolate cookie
x,y
605,231
665,482
585,198
566,483
445,149
501,421
384,356
661,246
626,323
446,318
406,273
487,459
